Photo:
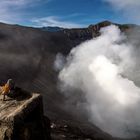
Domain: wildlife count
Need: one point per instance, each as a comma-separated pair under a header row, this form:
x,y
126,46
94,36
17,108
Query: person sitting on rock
x,y
6,89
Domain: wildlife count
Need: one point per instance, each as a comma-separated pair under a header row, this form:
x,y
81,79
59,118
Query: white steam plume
x,y
101,68
59,62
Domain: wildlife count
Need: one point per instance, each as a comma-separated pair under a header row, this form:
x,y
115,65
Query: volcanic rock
x,y
22,119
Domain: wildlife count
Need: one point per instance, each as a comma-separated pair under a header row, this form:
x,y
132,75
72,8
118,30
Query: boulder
x,y
22,118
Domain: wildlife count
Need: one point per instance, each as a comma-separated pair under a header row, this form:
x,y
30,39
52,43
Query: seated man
x,y
6,89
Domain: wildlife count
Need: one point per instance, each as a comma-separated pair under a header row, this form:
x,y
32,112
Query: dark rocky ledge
x,y
22,118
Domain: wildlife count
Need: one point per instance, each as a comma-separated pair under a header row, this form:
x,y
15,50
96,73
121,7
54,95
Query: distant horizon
x,y
66,27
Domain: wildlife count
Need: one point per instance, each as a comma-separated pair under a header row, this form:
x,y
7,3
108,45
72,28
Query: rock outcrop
x,y
93,30
22,119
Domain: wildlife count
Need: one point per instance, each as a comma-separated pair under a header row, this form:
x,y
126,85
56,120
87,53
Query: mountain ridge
x,y
27,55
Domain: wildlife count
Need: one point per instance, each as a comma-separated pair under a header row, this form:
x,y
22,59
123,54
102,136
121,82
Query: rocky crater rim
x,y
16,110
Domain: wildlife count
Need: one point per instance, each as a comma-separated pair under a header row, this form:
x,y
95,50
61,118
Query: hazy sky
x,y
68,13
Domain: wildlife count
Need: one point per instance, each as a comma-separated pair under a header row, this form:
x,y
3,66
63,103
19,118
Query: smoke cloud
x,y
59,62
104,70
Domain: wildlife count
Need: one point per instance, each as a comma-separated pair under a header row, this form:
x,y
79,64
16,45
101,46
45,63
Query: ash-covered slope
x,y
27,55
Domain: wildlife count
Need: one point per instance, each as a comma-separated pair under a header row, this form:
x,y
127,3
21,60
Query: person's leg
x,y
4,97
